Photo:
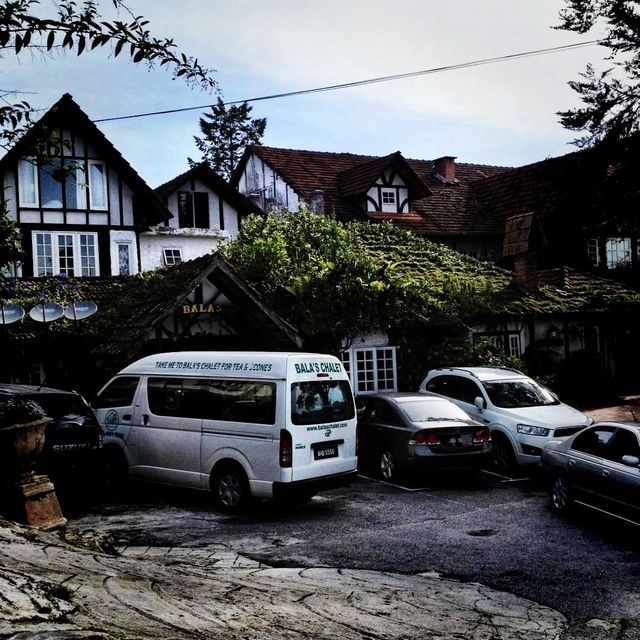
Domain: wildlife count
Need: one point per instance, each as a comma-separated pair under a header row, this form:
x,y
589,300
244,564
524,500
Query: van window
x,y
209,399
315,402
119,393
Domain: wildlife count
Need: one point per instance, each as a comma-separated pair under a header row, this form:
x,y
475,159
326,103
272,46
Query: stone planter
x,y
20,445
25,496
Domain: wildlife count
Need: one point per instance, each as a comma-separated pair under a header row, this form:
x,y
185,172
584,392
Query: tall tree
x,y
226,133
79,27
611,99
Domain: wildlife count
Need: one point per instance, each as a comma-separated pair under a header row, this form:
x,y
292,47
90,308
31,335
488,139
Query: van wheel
x,y
230,488
504,459
387,466
115,470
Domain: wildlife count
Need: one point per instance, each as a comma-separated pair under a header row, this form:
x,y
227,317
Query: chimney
x,y
526,271
445,168
317,201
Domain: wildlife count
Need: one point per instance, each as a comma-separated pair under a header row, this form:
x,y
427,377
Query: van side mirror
x,y
480,403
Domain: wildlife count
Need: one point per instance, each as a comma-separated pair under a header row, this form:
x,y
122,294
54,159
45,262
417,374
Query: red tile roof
x,y
449,209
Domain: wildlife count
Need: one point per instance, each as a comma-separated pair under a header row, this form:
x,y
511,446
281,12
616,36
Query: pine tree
x,y
226,132
610,99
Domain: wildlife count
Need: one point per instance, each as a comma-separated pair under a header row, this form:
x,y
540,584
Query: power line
x,y
360,83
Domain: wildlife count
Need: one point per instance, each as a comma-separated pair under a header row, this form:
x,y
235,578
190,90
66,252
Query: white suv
x,y
521,414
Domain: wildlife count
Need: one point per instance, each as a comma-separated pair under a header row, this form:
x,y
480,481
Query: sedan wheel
x,y
561,494
387,466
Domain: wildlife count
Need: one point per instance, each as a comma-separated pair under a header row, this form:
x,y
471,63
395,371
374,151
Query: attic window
x,y
172,256
388,196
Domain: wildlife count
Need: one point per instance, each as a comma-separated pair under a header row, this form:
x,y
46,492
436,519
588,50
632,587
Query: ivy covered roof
x,y
443,272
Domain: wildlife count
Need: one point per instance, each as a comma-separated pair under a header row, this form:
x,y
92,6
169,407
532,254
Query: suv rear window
x,y
58,405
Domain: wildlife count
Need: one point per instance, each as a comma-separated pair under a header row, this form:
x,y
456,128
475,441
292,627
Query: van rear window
x,y
317,402
227,400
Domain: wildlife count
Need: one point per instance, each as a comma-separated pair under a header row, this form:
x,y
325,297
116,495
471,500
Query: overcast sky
x,y
502,114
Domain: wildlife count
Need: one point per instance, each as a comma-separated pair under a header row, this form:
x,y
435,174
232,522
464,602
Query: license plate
x,y
320,453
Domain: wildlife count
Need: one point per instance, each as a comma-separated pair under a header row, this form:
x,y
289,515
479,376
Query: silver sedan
x,y
599,467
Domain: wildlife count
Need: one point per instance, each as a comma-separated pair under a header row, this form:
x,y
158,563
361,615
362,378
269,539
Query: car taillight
x,y
483,435
424,438
286,448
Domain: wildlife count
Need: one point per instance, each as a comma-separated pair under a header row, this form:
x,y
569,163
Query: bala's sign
x,y
201,308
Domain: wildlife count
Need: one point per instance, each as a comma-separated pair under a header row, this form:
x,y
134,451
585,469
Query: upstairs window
x,y
172,256
388,196
593,251
74,254
618,252
193,209
42,186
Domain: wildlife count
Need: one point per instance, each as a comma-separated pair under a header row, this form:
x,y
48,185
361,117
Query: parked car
x,y
407,432
73,439
522,414
598,467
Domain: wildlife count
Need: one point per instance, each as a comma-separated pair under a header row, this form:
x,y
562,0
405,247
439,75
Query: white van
x,y
241,424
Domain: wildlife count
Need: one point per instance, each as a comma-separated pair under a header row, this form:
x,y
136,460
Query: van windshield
x,y
519,393
317,402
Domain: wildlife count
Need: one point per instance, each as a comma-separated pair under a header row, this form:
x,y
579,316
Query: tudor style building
x,y
430,198
83,221
206,211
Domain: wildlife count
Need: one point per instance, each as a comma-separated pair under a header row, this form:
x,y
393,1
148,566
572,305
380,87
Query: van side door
x,y
165,441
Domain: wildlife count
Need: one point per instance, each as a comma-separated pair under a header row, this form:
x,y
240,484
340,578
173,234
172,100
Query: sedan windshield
x,y
512,394
434,411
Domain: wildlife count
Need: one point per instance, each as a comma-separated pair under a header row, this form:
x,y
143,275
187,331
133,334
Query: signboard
x,y
46,312
201,308
10,313
80,310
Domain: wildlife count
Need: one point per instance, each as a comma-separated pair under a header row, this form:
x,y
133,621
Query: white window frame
x,y
169,255
92,190
128,246
593,251
28,170
389,192
86,266
362,366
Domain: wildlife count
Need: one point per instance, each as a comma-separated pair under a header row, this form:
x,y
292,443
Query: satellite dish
x,y
46,312
80,310
10,313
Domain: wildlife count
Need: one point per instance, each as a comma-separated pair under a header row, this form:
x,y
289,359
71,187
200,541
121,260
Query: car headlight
x,y
530,430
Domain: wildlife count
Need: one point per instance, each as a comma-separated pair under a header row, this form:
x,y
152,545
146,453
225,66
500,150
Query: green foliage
x,y
339,281
611,99
226,133
10,246
19,412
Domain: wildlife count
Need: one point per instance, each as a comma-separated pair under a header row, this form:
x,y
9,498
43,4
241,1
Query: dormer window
x,y
389,196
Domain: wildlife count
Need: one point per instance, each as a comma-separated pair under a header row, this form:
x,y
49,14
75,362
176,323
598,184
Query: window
x,y
593,441
455,387
28,183
504,342
388,196
124,259
318,402
227,400
593,251
623,443
372,369
119,393
44,187
618,252
172,256
193,209
97,185
74,254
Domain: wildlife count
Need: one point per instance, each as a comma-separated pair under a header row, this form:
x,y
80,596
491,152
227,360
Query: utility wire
x,y
360,83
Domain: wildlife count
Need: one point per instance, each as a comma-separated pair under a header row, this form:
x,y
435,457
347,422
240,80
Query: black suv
x,y
73,441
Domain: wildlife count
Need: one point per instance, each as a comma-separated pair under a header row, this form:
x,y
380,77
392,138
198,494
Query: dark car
x,y
73,439
599,467
407,432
